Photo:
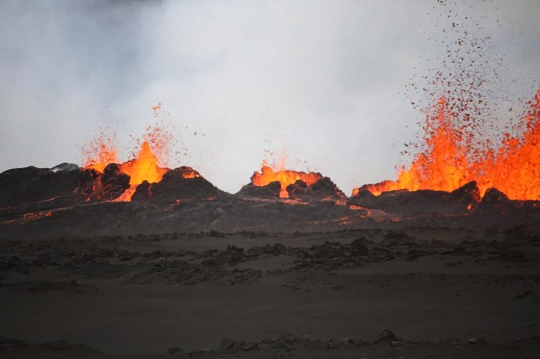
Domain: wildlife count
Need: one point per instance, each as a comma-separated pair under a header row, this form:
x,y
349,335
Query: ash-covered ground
x,y
186,270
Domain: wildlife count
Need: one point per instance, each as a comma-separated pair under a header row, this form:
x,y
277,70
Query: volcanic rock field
x,y
185,269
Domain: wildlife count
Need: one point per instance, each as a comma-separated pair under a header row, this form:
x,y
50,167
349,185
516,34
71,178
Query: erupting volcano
x,y
144,167
284,177
467,135
450,162
149,163
289,184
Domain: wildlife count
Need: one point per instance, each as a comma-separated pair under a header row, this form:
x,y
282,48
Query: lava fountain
x,y
284,177
461,139
142,168
148,164
514,168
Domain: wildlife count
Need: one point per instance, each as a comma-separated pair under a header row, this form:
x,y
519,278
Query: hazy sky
x,y
324,79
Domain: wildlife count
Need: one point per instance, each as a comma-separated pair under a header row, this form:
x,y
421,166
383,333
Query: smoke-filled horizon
x,y
330,82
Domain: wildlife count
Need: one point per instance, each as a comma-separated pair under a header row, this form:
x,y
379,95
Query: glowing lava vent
x,y
148,164
284,177
469,134
446,163
296,185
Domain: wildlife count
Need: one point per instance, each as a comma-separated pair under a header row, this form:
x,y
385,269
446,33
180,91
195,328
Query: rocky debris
x,y
186,273
285,342
334,255
15,264
359,247
520,235
435,244
270,191
72,286
525,294
324,188
64,345
232,256
31,184
395,238
96,186
386,336
510,255
59,345
216,234
7,343
177,184
291,342
177,267
478,340
190,268
460,200
162,267
253,234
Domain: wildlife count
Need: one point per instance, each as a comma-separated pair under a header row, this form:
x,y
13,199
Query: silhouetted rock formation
x,y
323,188
496,202
32,184
175,186
104,186
422,201
271,190
494,196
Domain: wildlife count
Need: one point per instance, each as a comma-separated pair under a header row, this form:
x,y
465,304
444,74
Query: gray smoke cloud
x,y
325,80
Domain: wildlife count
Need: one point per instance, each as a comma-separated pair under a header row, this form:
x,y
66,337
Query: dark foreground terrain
x,y
390,292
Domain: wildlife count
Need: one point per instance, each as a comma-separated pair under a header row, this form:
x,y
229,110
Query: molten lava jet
x,y
100,153
466,135
446,163
142,168
149,164
284,177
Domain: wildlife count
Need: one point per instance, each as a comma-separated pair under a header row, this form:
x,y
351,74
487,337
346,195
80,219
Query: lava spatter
x,y
466,136
284,177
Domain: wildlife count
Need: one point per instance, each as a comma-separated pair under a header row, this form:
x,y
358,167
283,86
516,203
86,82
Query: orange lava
x,y
148,164
284,177
450,160
127,195
515,168
444,165
100,153
144,167
191,174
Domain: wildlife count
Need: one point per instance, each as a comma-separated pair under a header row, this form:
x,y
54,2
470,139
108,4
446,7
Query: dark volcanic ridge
x,y
69,200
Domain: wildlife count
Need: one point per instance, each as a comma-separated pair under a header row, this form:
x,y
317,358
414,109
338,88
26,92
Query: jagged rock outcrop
x,y
271,190
323,188
32,184
95,186
422,201
177,184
